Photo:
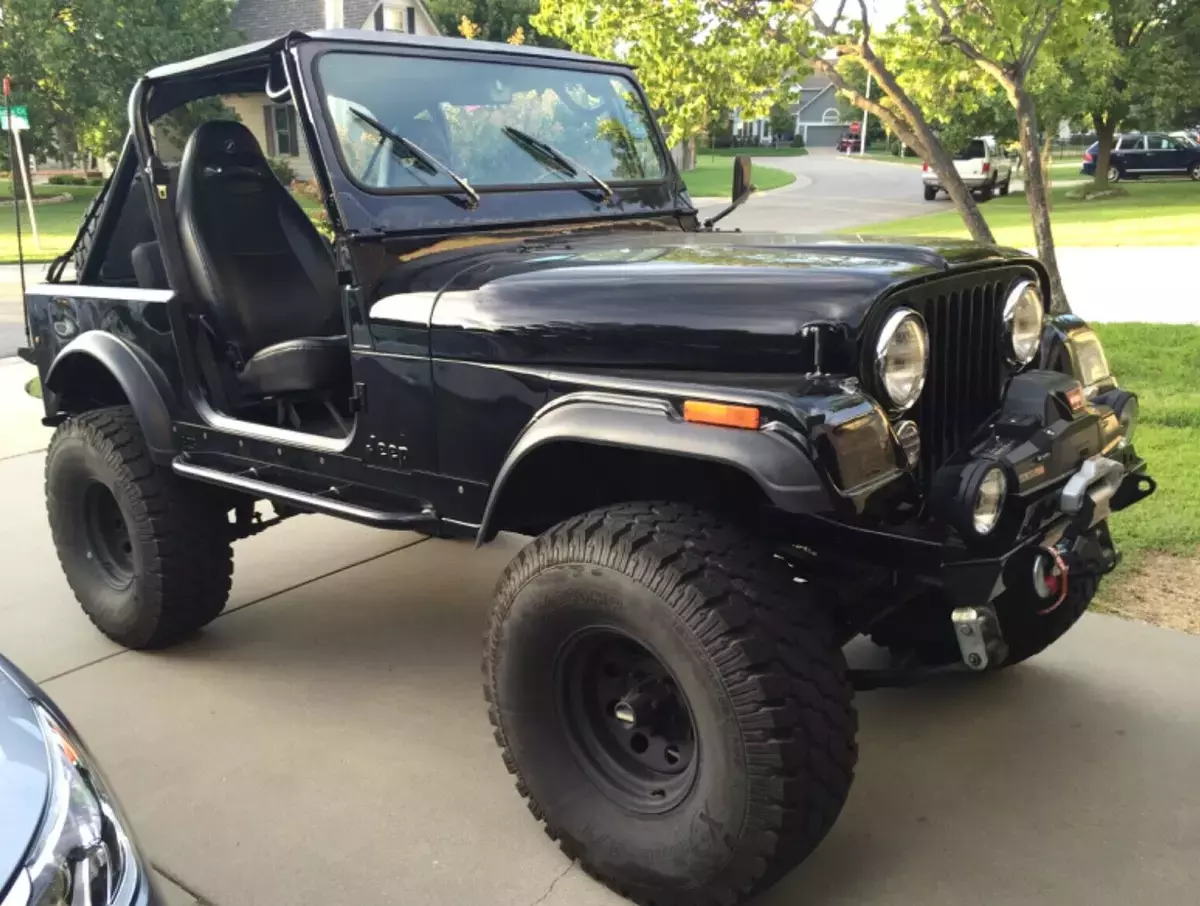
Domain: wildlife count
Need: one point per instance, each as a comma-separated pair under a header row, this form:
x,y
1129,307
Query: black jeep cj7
x,y
736,452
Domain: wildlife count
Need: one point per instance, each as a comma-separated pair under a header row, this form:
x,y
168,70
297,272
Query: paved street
x,y
325,742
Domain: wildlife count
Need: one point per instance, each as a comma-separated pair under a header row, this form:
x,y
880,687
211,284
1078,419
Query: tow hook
x,y
980,640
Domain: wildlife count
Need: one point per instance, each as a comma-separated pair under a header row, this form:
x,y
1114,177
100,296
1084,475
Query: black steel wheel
x,y
675,708
106,532
147,555
627,720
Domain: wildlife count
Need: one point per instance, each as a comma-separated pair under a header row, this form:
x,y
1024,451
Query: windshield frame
x,y
468,55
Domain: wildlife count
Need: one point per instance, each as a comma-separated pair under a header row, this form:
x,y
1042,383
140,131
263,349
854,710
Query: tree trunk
x,y
935,155
943,165
1037,198
1106,130
1047,180
689,154
912,129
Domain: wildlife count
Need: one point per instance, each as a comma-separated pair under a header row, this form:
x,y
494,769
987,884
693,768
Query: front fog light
x,y
989,501
971,497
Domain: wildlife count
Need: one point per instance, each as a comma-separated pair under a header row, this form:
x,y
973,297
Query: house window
x,y
830,116
283,133
395,18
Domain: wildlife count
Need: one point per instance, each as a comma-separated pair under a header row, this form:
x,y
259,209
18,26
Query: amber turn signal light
x,y
703,413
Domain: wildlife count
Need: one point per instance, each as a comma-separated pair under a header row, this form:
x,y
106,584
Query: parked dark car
x,y
850,142
63,840
737,451
1150,154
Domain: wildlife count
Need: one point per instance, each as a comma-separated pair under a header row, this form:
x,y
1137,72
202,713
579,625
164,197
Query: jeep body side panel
x,y
72,370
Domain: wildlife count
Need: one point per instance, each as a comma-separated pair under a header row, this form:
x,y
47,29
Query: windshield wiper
x,y
430,163
571,167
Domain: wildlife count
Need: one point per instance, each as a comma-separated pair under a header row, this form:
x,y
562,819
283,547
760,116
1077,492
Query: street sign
x,y
20,117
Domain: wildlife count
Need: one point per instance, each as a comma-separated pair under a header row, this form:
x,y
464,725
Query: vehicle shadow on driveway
x,y
337,733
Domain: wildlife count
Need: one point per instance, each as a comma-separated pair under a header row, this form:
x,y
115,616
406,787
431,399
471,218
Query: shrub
x,y
59,180
282,169
96,180
797,140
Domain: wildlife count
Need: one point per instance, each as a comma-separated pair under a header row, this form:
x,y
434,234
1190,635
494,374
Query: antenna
x,y
14,163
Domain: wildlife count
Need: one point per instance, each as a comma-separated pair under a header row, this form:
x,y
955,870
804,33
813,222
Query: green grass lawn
x,y
785,151
1160,363
1163,212
57,224
909,159
713,177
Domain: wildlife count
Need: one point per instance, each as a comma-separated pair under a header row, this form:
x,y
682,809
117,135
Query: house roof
x,y
261,19
816,81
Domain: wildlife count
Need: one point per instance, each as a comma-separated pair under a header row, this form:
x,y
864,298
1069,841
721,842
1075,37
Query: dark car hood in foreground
x,y
712,301
24,770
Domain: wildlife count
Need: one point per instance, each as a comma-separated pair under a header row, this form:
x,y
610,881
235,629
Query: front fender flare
x,y
782,469
143,382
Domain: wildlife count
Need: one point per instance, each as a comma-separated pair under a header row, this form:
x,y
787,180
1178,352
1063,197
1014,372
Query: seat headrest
x,y
222,143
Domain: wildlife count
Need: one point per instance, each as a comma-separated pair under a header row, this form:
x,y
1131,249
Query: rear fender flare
x,y
781,468
145,386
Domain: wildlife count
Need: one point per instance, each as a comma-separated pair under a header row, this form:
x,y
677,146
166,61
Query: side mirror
x,y
741,176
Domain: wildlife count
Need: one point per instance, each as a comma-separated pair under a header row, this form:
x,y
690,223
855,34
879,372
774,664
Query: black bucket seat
x,y
259,266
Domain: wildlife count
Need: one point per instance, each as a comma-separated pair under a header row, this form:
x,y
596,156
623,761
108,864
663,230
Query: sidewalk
x,y
1131,283
20,413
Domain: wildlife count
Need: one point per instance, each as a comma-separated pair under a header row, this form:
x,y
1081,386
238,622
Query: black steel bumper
x,y
1068,465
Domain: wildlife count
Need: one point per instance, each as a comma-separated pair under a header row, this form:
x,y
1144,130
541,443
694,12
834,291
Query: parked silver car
x,y
63,840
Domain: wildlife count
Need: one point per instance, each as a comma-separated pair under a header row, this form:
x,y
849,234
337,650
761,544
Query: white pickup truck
x,y
981,164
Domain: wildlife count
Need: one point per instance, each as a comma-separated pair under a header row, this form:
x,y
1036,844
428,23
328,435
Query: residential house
x,y
274,125
815,112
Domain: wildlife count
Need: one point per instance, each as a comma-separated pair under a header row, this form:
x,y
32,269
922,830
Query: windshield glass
x,y
461,113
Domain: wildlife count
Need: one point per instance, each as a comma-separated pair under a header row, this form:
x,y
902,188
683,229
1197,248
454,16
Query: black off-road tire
x,y
985,194
1004,186
923,632
160,565
930,193
752,654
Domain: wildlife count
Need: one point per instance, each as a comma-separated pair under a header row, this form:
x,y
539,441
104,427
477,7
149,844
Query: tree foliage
x,y
496,20
74,61
694,57
1016,45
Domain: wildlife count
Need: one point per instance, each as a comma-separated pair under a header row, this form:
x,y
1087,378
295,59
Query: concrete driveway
x,y
324,742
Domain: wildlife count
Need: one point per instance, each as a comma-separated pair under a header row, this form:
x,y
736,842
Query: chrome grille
x,y
967,366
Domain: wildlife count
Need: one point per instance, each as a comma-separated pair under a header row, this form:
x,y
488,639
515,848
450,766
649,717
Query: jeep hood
x,y
665,300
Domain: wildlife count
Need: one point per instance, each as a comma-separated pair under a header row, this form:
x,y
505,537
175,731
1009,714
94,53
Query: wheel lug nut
x,y
625,714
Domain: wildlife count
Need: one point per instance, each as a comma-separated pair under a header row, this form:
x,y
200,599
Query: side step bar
x,y
422,520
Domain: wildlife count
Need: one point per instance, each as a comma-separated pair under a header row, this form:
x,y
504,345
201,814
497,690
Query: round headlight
x,y
901,357
989,501
1023,314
